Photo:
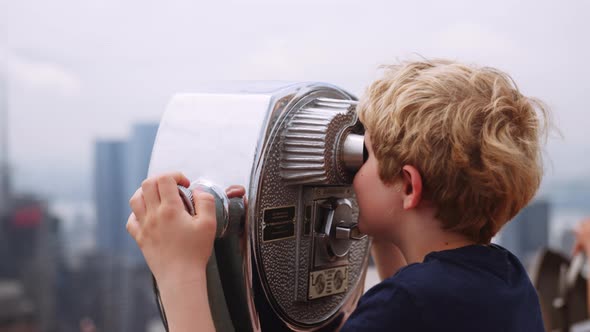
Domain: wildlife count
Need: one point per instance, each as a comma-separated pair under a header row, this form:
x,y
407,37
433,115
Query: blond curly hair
x,y
475,139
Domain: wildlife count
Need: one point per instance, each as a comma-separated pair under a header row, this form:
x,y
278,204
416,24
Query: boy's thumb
x,y
205,209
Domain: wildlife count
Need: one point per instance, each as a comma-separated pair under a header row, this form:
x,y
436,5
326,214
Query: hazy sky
x,y
82,70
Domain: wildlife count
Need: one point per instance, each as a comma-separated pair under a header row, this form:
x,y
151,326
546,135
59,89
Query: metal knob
x,y
339,229
222,203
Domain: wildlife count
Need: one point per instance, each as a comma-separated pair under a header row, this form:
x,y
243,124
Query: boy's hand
x,y
176,245
235,191
583,238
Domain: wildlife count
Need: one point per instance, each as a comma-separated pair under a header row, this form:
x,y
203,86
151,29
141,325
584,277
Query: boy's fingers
x,y
168,189
133,226
150,193
137,204
179,178
235,191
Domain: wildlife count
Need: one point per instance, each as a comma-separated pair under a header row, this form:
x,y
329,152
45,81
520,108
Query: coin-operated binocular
x,y
292,258
562,290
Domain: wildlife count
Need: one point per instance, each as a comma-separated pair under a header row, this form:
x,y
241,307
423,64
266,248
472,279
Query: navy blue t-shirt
x,y
473,288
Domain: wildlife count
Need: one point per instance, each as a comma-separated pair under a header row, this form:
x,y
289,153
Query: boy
x,y
453,154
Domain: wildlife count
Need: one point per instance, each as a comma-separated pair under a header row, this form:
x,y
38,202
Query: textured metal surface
x,y
547,273
279,257
309,142
304,153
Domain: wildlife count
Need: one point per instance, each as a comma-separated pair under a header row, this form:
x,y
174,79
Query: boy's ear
x,y
412,187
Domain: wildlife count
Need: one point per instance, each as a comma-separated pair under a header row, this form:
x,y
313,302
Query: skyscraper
x,y
109,180
120,168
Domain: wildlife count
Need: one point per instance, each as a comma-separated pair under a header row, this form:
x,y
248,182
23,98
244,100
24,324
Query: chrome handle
x,y
222,204
349,232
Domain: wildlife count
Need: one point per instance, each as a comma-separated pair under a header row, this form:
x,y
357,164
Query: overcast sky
x,y
82,70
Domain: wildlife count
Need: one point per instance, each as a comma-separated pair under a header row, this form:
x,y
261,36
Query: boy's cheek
x,y
362,226
364,223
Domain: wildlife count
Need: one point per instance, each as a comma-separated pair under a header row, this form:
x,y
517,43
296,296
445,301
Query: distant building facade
x,y
109,176
30,253
120,168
